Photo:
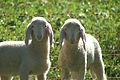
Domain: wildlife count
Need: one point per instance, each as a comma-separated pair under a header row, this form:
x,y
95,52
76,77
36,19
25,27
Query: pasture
x,y
100,18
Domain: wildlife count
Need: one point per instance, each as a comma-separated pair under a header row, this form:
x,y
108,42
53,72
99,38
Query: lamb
x,y
26,58
78,51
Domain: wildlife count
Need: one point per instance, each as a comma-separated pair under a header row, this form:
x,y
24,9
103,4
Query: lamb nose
x,y
72,41
39,37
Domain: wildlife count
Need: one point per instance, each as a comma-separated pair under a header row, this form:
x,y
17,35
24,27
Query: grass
x,y
100,18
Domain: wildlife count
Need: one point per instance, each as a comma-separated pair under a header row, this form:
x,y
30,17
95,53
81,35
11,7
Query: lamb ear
x,y
82,35
62,35
28,32
51,35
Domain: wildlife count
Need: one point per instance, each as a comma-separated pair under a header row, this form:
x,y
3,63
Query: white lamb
x,y
24,58
79,51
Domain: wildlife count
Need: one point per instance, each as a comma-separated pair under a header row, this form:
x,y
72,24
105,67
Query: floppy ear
x,y
28,32
82,35
62,36
51,35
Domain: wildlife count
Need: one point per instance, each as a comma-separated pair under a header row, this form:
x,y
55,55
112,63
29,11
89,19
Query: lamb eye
x,y
65,29
45,26
32,26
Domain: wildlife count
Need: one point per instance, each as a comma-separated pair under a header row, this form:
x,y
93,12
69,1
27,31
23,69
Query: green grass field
x,y
100,18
